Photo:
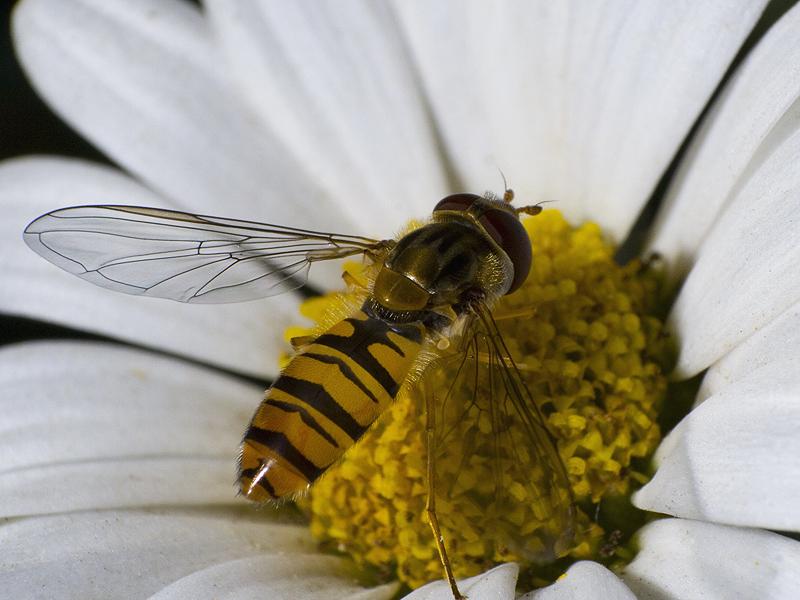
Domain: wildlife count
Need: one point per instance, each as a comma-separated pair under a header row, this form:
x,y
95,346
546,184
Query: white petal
x,y
735,458
582,103
584,580
244,337
495,584
130,554
691,560
89,425
755,112
775,342
746,270
111,483
334,80
143,81
306,576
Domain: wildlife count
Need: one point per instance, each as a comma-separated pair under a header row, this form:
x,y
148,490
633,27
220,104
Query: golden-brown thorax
x,y
439,264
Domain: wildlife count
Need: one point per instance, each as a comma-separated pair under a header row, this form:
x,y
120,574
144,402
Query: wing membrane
x,y
496,464
183,256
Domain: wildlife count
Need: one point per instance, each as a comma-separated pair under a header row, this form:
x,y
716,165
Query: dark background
x,y
28,126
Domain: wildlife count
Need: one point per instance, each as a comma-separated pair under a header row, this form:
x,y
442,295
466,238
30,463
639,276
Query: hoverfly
x,y
428,308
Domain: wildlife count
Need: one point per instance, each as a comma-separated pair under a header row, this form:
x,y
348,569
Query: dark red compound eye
x,y
456,202
505,229
509,233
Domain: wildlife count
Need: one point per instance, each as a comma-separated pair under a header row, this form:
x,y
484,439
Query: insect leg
x,y
430,505
352,282
299,341
519,313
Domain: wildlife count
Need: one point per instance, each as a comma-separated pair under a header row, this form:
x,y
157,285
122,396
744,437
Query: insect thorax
x,y
443,265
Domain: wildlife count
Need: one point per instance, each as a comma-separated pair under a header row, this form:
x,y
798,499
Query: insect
x,y
428,308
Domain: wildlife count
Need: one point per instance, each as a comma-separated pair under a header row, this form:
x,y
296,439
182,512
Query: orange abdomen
x,y
323,402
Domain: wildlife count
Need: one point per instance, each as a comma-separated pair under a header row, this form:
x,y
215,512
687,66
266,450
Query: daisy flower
x,y
117,460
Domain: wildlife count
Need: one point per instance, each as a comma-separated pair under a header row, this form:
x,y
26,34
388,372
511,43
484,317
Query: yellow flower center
x,y
583,334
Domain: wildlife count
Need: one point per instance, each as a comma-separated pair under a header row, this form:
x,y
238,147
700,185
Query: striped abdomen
x,y
324,400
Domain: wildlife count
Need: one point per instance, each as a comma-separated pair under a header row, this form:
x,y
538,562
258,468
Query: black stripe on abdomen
x,y
365,333
305,416
280,444
360,354
345,370
251,474
314,394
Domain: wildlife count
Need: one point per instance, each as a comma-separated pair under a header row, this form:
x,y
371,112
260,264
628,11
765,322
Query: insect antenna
x,y
508,193
534,209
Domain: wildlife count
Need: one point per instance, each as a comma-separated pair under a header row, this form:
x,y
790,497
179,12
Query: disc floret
x,y
592,353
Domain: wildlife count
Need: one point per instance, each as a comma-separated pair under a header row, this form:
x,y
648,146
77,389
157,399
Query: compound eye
x,y
509,233
456,202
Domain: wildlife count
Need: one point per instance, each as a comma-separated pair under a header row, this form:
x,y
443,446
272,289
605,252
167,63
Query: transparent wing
x,y
497,467
182,256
